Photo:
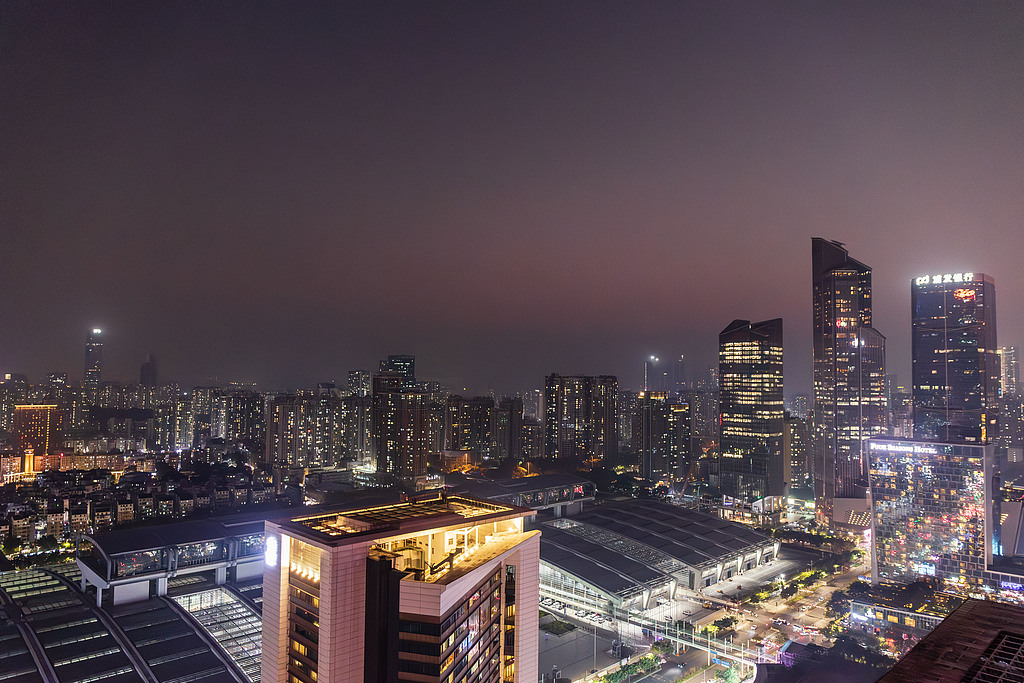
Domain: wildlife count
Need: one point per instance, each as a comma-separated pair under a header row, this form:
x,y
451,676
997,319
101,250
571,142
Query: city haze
x,y
278,194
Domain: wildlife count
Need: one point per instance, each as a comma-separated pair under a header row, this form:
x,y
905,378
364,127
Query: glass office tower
x,y
751,465
849,382
956,360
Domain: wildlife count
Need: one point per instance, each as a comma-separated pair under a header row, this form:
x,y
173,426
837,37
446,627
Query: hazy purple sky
x,y
279,192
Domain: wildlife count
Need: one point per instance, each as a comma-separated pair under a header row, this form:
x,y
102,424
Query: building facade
x,y
849,381
932,513
580,417
956,363
400,427
664,428
751,462
93,359
1009,371
442,589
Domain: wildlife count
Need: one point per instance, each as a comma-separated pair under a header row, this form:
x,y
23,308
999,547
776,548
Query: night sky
x,y
279,192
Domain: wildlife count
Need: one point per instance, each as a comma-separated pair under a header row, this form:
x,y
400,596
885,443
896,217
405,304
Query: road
x,y
573,653
807,610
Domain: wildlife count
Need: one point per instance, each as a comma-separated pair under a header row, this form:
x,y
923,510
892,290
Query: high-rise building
x,y
359,382
400,427
439,589
580,417
680,377
932,511
751,464
1009,371
13,390
508,428
39,431
795,444
240,416
469,425
402,365
849,381
147,372
664,431
955,358
306,430
93,358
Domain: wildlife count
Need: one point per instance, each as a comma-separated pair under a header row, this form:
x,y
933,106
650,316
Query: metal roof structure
x,y
982,641
120,541
234,625
626,546
51,631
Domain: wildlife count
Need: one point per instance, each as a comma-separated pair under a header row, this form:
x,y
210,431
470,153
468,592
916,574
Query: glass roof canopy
x,y
235,626
77,645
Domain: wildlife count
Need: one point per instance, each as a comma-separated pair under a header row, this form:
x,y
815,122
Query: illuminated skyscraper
x,y
1009,371
93,359
580,417
470,424
751,465
359,382
955,358
431,590
849,381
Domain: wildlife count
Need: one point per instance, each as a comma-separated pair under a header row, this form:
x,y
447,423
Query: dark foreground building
x,y
981,642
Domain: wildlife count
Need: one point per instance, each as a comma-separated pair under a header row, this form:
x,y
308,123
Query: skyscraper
x,y
1009,371
849,381
956,364
932,511
751,464
93,359
469,425
580,417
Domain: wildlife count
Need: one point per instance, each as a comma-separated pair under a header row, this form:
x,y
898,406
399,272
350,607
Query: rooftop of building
x,y
981,642
51,630
508,489
622,545
136,539
338,527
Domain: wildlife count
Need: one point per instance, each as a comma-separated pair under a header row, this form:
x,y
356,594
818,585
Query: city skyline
x,y
505,192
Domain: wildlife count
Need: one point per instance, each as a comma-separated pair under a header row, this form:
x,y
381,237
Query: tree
x,y
730,675
11,545
859,588
47,543
833,629
662,646
789,591
724,623
838,605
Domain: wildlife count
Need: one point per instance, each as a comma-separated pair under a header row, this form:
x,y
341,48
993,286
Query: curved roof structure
x,y
623,547
51,631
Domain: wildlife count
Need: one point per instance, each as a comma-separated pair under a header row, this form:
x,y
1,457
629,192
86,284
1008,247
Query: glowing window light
x,y
270,553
